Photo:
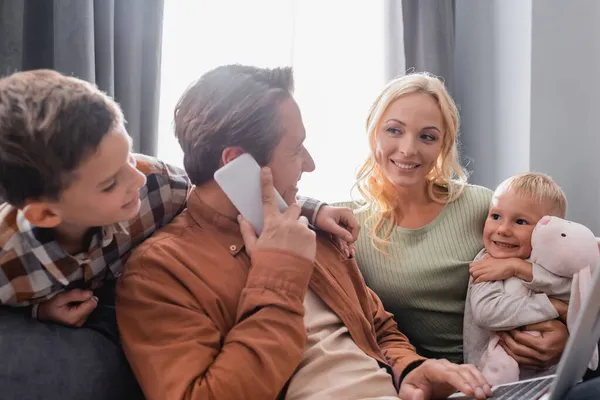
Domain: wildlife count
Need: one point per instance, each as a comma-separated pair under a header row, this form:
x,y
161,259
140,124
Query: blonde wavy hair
x,y
447,178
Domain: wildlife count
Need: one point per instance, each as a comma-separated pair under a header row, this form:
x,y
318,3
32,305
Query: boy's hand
x,y
342,224
437,379
492,269
68,308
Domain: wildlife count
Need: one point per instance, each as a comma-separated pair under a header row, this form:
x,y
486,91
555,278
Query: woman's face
x,y
409,139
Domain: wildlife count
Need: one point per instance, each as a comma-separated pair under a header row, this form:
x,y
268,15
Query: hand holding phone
x,y
241,182
283,231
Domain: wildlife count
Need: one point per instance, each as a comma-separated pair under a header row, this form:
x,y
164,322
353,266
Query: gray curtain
x,y
113,43
428,31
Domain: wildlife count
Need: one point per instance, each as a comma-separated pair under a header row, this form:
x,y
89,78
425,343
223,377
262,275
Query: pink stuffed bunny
x,y
566,249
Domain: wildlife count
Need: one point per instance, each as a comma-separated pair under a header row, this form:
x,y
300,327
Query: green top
x,y
423,281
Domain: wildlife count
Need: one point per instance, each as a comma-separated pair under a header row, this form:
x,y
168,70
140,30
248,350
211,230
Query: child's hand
x,y
69,308
491,269
342,224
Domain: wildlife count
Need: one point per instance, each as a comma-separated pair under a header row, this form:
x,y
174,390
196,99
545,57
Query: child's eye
x,y
522,222
495,216
109,188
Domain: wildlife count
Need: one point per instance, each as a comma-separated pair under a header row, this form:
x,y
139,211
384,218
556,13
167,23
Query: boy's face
x,y
508,228
105,187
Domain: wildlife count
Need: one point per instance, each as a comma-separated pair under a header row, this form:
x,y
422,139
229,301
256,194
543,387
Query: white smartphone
x,y
240,180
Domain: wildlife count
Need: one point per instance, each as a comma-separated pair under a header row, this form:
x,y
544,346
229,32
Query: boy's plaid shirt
x,y
34,268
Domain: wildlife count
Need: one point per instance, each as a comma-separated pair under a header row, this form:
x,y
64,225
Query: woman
x,y
422,224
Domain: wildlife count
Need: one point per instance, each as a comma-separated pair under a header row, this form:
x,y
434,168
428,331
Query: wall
x,y
527,84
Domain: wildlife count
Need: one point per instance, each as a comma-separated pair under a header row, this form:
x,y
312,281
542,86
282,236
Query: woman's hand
x,y
539,352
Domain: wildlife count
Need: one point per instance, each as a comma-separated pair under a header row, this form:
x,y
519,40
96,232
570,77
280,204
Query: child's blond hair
x,y
538,187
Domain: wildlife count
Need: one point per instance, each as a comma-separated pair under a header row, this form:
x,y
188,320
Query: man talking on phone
x,y
209,310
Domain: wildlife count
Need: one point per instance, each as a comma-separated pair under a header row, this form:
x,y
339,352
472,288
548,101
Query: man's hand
x,y
342,224
539,352
437,379
68,308
288,231
562,309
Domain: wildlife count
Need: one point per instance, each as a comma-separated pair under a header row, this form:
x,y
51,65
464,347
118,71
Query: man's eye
x,y
111,187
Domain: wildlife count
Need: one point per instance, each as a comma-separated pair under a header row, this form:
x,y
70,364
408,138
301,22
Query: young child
x,y
517,206
77,199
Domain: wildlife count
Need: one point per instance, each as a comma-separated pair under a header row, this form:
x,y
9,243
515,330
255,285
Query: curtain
x,y
419,36
115,44
335,48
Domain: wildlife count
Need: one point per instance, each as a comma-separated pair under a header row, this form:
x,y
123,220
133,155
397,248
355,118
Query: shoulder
x,y
361,209
476,193
179,246
474,198
160,173
164,243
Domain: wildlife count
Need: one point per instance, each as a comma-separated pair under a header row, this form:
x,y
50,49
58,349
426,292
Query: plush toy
x,y
566,249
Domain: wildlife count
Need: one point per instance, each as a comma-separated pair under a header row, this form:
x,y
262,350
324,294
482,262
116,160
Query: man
x,y
208,310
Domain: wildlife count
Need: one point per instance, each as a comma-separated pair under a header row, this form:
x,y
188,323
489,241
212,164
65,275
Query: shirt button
x,y
233,247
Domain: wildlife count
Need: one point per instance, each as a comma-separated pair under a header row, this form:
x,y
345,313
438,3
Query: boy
x,y
77,199
517,206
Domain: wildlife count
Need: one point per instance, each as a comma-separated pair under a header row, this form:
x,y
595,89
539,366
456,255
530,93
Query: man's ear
x,y
40,214
231,153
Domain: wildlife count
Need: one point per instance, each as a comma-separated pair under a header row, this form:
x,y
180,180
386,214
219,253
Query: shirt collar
x,y
36,236
226,227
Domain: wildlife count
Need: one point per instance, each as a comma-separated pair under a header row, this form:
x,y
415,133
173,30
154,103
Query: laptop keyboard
x,y
523,391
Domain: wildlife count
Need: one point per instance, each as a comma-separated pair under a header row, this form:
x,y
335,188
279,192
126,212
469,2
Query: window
x,y
335,47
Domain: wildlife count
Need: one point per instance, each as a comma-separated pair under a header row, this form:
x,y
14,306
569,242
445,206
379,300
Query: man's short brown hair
x,y
49,124
231,105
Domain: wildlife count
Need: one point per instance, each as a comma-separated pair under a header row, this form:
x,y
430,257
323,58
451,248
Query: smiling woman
x,y
421,223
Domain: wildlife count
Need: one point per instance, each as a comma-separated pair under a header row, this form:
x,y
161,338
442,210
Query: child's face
x,y
106,186
508,228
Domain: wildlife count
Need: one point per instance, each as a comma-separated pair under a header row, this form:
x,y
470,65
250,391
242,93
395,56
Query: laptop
x,y
573,363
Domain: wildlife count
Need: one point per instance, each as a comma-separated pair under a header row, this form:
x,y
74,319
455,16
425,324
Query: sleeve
x,y
164,182
310,208
496,310
395,346
178,349
553,285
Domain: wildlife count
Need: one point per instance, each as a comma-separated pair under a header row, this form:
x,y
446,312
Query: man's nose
x,y
309,163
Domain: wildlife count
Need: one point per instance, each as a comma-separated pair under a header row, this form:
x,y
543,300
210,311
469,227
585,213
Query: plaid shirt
x,y
34,267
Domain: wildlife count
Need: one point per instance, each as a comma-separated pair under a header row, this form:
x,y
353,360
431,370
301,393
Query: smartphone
x,y
240,180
